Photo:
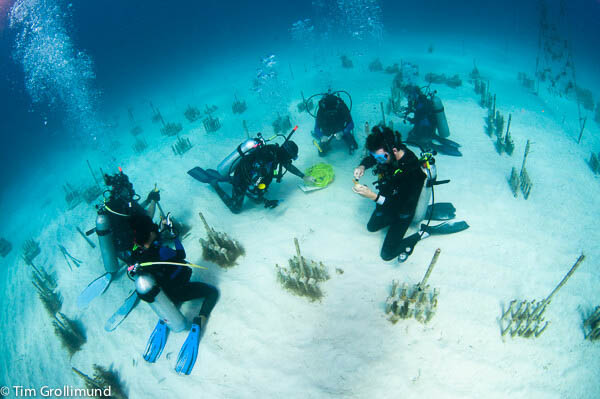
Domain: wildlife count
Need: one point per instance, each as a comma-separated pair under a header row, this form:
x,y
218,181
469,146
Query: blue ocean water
x,y
69,71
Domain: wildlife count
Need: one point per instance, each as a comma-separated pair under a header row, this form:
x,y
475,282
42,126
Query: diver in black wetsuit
x,y
333,120
255,172
122,207
400,181
430,128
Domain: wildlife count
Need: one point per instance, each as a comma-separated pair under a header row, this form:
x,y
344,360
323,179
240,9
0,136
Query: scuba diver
x,y
113,227
428,116
162,279
333,119
405,186
250,169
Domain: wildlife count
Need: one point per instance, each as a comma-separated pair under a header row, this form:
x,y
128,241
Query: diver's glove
x,y
309,180
154,195
325,139
271,203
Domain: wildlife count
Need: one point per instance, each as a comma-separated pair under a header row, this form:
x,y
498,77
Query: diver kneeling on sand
x,y
113,228
333,119
162,278
428,116
405,184
250,169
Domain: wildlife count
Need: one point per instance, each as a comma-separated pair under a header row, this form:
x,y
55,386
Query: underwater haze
x,y
150,88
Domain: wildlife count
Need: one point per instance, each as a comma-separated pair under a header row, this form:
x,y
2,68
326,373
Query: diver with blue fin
x,y
333,120
113,229
162,279
428,116
405,187
250,169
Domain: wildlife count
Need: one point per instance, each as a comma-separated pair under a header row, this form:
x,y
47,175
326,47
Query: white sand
x,y
261,340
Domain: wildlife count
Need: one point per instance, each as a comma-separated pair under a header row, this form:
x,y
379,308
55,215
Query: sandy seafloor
x,y
262,341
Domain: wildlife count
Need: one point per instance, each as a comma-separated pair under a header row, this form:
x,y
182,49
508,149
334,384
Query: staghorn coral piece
x,y
139,146
303,276
30,250
136,130
72,196
375,65
70,333
5,247
181,146
238,107
219,248
192,114
45,284
171,129
105,382
527,318
417,300
282,124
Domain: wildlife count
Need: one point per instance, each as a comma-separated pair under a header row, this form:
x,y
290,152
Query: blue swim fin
x,y
94,289
121,313
189,350
156,342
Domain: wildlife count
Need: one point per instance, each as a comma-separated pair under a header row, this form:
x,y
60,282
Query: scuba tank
x,y
150,291
440,117
227,165
105,239
426,192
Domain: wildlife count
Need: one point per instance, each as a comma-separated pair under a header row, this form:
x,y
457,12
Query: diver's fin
x,y
93,290
156,342
122,312
205,175
408,245
445,228
446,142
445,149
441,211
189,350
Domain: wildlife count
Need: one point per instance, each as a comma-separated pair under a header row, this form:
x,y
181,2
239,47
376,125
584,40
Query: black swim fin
x,y
408,243
443,146
205,176
441,211
445,228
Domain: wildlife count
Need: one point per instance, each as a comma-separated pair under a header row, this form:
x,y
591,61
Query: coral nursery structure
x,y
181,146
5,247
30,250
416,300
103,383
591,325
303,276
219,248
525,318
192,114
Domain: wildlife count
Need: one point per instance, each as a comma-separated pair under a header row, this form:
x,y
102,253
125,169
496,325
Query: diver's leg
x,y
197,290
379,219
392,245
235,202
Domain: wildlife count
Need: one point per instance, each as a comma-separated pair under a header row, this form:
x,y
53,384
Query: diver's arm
x,y
294,170
317,133
368,162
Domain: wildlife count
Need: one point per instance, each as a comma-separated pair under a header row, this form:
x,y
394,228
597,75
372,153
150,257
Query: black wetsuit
x,y
254,169
123,234
175,280
400,183
423,120
331,119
